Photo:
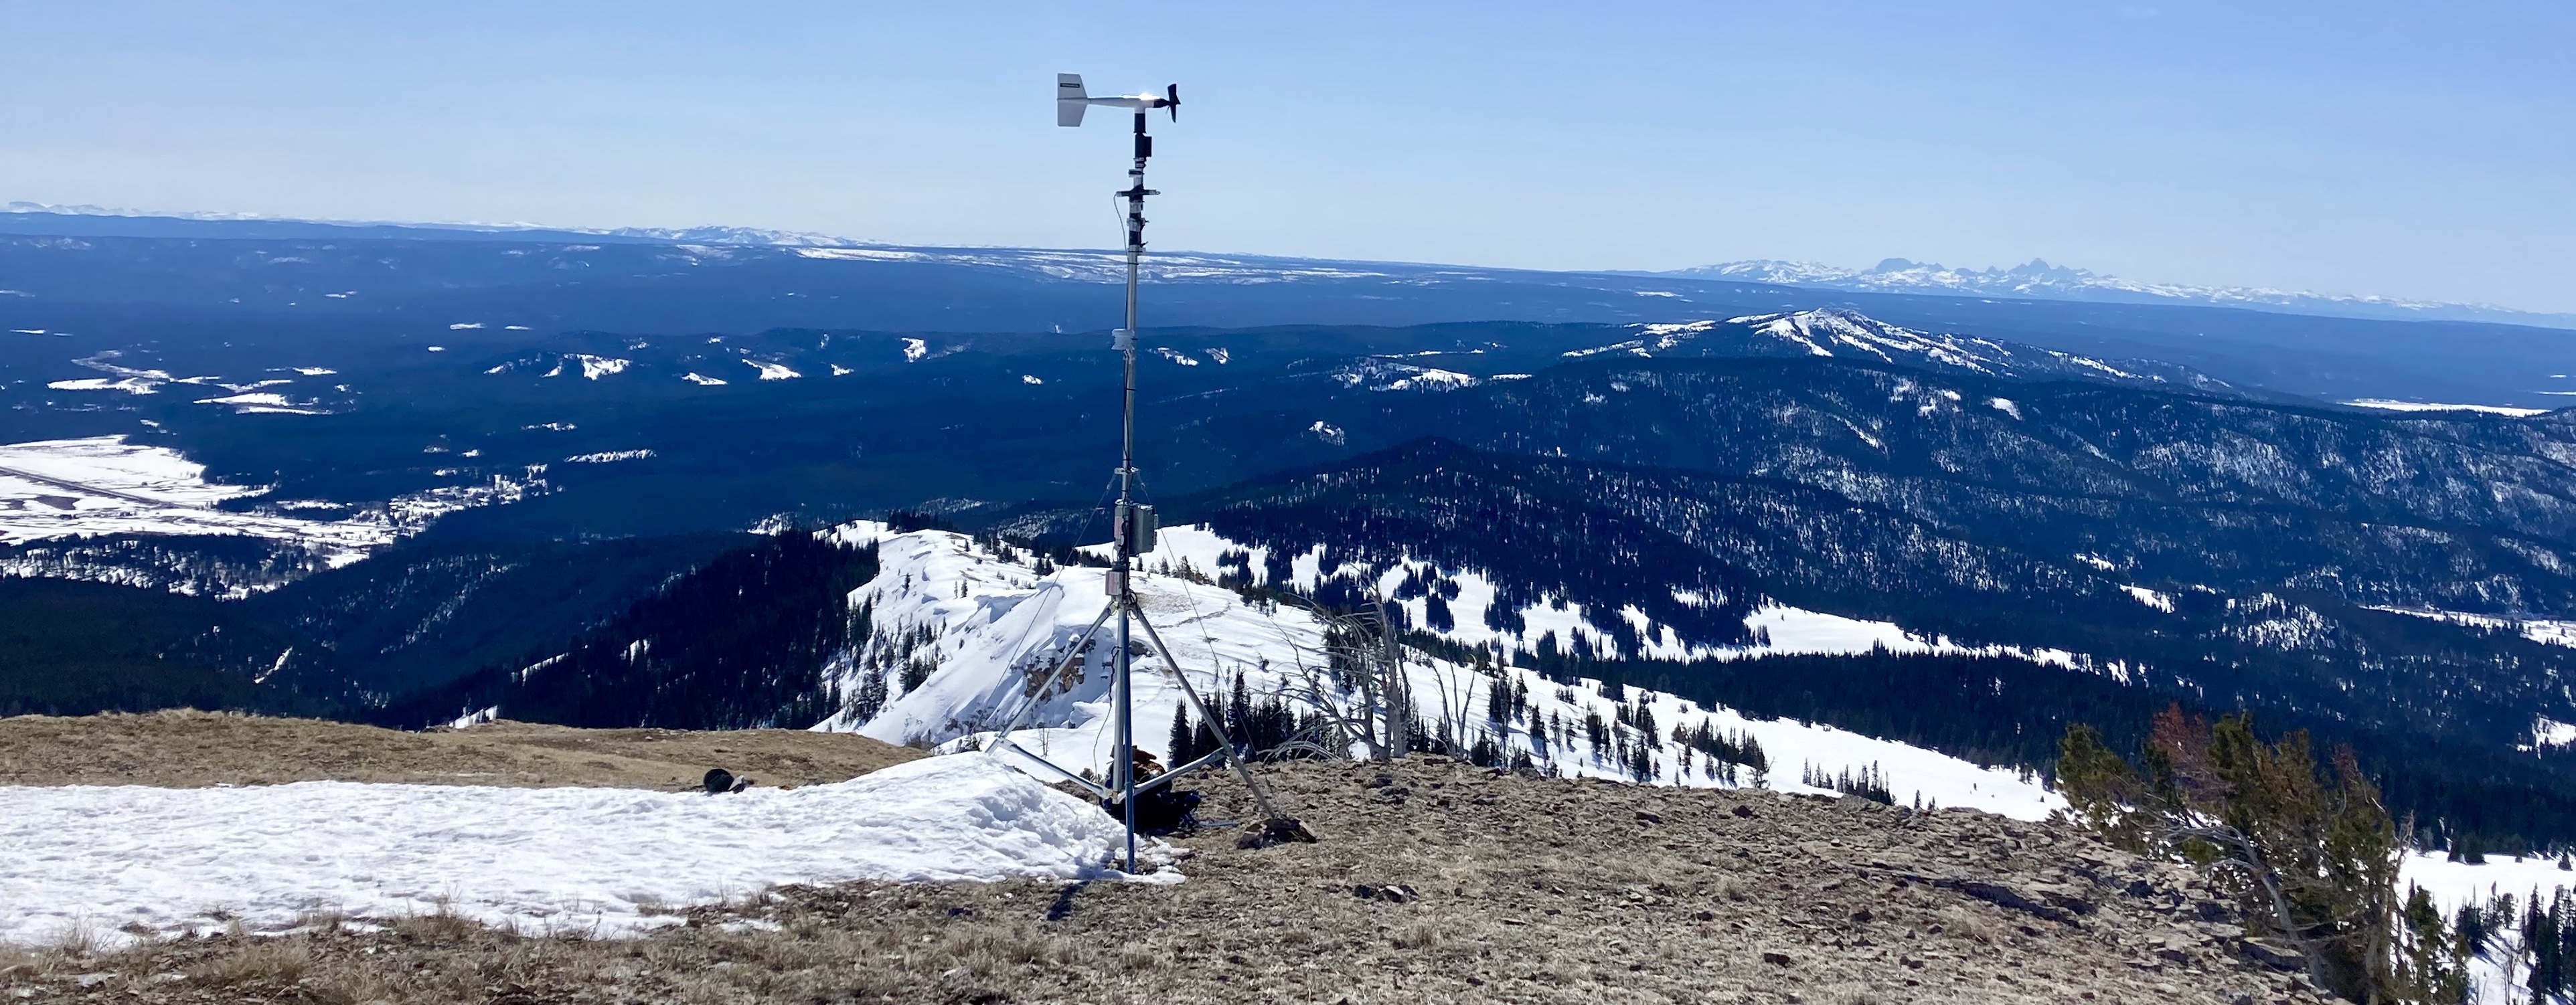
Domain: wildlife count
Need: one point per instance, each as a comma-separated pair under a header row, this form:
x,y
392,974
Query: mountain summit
x,y
1850,334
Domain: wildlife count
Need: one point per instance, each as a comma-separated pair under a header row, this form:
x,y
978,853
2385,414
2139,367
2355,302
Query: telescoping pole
x,y
1124,533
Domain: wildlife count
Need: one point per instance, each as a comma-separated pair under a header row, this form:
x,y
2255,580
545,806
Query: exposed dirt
x,y
185,749
1508,889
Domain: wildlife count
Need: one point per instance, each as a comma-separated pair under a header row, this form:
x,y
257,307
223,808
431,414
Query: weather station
x,y
1133,534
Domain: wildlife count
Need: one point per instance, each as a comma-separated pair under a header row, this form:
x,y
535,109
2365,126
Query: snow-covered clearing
x,y
581,860
2455,883
264,403
2388,405
104,485
2545,632
980,626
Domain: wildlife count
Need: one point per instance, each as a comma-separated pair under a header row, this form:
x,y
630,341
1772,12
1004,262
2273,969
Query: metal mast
x,y
1133,535
1128,524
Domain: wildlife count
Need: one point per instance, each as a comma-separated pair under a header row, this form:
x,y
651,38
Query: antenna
x,y
1133,532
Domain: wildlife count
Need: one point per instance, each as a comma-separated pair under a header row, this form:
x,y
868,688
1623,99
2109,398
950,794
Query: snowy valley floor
x,y
1521,890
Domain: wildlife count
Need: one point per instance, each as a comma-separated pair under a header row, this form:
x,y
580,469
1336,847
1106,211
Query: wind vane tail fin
x,y
1070,99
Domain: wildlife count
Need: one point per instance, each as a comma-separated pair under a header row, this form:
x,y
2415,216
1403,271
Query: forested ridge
x,y
2443,711
748,640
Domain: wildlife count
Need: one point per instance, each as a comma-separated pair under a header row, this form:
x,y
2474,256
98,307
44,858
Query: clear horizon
x,y
2354,149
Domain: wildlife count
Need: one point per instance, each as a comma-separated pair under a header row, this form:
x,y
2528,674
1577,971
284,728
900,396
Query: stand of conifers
x,y
2310,850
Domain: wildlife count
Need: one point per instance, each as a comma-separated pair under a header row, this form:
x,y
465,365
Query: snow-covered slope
x,y
1849,334
1778,629
573,861
979,628
2038,280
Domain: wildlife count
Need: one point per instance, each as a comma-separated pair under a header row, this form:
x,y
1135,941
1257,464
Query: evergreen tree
x,y
1238,713
2314,860
1182,748
2430,968
871,696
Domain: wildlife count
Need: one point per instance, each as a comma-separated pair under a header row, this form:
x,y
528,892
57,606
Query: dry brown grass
x,y
1424,934
258,962
187,749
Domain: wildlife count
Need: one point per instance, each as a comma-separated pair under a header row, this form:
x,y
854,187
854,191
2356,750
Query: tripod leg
x,y
1060,667
1225,743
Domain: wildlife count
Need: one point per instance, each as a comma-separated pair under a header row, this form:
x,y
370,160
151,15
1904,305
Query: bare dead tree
x,y
1357,680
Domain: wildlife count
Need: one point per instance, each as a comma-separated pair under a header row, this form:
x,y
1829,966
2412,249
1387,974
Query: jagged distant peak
x,y
2037,279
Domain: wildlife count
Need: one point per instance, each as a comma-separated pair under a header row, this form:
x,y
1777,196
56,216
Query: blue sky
x,y
2406,150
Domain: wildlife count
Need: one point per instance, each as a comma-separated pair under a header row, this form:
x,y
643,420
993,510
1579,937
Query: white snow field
x,y
579,860
2455,883
992,623
105,485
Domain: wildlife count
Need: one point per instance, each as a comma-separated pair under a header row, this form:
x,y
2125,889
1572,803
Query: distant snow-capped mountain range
x,y
673,235
2033,280
2038,280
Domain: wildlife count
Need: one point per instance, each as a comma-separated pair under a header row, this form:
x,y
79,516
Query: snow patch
x,y
609,456
2153,598
593,861
265,402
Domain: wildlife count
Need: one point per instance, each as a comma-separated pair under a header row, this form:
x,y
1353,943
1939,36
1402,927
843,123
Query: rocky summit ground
x,y
1434,881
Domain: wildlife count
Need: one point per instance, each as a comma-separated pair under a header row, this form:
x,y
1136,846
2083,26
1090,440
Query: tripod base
x,y
1275,826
